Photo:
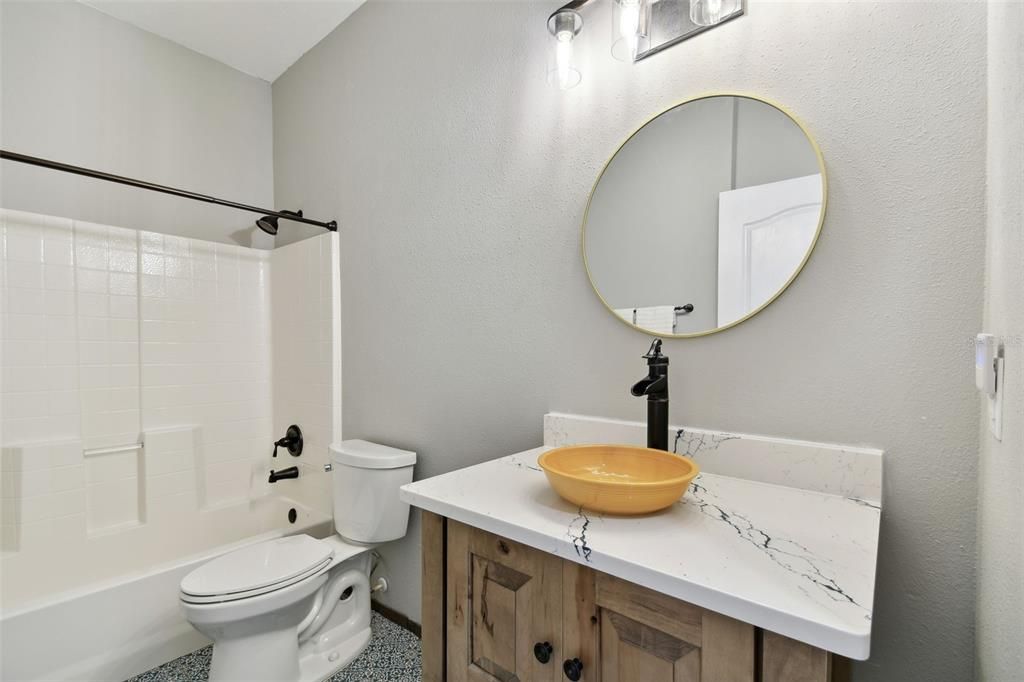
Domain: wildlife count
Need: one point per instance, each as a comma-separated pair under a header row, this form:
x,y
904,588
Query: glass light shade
x,y
631,35
711,12
562,70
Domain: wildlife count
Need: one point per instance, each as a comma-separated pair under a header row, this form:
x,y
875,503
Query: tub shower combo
x,y
146,386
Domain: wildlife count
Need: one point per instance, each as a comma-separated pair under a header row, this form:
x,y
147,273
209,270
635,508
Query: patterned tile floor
x,y
392,656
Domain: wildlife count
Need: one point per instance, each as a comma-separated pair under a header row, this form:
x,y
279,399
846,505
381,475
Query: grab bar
x,y
112,450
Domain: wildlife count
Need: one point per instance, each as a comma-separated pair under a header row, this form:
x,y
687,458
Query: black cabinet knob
x,y
573,669
542,650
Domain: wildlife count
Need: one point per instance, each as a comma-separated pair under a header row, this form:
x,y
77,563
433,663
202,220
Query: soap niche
x,y
114,493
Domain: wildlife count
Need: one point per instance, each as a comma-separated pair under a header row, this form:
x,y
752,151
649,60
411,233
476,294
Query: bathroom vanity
x,y
764,570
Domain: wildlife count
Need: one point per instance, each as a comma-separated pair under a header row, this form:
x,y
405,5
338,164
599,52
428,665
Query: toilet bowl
x,y
297,608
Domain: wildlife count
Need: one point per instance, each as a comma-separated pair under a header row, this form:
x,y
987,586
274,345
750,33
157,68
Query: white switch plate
x,y
995,403
986,350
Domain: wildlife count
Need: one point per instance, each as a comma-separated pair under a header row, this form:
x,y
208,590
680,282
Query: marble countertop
x,y
794,561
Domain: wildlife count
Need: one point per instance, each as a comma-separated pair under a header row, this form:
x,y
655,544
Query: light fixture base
x,y
564,19
670,23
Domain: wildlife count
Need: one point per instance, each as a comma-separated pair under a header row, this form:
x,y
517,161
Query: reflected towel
x,y
660,319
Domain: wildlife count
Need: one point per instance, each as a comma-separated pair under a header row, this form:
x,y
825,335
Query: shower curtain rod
x,y
141,184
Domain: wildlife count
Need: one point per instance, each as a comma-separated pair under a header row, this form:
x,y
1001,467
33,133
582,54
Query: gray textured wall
x,y
80,87
1000,617
460,181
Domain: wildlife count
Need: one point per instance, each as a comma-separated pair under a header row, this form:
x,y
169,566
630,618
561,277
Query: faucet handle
x,y
654,356
292,441
654,351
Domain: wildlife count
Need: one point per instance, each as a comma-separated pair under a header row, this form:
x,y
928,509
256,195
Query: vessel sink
x,y
618,479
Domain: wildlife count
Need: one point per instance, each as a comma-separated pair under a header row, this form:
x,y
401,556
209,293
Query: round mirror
x,y
704,216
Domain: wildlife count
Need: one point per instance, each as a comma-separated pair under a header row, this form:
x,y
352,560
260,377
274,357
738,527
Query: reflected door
x,y
764,233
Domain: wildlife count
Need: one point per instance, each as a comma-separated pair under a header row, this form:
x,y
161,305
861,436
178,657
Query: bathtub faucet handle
x,y
292,441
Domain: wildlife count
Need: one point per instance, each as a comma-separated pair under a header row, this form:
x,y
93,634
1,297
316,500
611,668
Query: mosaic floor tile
x,y
392,656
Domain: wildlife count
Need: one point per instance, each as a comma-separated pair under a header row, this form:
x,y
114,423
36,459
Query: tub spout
x,y
290,472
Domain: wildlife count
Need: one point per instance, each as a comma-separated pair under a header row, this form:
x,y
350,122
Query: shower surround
x,y
144,378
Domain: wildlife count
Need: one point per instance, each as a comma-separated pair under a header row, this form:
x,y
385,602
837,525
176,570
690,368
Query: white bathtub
x,y
120,627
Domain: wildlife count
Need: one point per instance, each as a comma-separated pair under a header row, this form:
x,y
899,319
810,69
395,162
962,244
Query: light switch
x,y
988,377
995,404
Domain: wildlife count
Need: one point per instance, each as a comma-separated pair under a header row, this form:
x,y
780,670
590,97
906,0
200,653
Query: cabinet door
x,y
645,635
503,599
787,660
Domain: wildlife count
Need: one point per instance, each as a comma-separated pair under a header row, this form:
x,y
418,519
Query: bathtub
x,y
123,626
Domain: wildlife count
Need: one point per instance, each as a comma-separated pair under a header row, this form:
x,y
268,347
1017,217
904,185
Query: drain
x,y
346,594
292,515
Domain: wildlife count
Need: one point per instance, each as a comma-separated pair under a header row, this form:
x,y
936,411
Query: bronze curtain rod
x,y
153,187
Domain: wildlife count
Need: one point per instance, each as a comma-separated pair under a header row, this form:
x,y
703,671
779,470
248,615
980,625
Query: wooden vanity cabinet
x,y
497,610
503,599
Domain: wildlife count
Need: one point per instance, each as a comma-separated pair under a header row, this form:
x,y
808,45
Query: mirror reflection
x,y
704,215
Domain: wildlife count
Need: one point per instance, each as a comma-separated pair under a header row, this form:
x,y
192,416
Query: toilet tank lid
x,y
367,455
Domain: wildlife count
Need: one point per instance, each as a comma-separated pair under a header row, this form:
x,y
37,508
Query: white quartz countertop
x,y
794,561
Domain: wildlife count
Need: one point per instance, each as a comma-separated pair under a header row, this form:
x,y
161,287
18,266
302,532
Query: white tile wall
x,y
107,303
38,331
113,499
206,356
110,336
175,482
301,310
42,493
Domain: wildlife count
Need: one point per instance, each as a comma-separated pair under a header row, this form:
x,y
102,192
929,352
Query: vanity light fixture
x,y
564,25
640,28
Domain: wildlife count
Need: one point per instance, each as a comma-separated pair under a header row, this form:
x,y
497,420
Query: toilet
x,y
297,608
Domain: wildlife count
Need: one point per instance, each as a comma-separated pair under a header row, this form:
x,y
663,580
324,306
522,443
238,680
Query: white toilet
x,y
297,608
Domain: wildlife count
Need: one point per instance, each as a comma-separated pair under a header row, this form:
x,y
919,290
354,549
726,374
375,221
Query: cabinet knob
x,y
542,651
573,669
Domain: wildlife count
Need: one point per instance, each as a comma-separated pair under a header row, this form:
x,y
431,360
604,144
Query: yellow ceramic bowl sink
x,y
618,479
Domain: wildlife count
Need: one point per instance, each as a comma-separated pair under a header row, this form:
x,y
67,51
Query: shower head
x,y
268,223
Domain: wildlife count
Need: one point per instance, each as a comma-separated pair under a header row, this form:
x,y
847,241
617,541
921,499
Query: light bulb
x,y
629,24
710,12
563,60
563,25
630,29
714,10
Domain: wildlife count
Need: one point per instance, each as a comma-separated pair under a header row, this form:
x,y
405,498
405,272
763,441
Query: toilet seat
x,y
246,594
257,569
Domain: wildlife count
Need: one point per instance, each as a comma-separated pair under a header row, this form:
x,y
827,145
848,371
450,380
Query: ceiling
x,y
259,37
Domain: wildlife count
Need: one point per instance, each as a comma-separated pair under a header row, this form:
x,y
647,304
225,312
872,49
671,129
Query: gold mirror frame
x,y
799,269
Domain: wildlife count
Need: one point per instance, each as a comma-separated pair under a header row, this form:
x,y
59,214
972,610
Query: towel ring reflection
x,y
684,309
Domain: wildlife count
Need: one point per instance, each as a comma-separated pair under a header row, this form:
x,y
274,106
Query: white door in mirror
x,y
764,234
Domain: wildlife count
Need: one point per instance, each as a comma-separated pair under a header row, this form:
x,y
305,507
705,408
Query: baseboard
x,y
397,618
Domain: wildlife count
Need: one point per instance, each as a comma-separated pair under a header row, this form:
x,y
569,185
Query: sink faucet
x,y
655,387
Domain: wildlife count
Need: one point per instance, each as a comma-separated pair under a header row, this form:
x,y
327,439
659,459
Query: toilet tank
x,y
367,477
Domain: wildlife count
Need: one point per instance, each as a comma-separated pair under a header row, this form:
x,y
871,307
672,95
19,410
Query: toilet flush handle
x,y
328,467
